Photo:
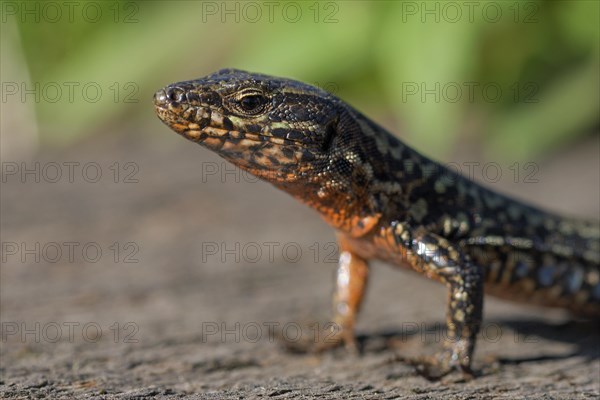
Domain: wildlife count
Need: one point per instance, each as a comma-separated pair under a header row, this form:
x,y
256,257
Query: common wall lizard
x,y
389,202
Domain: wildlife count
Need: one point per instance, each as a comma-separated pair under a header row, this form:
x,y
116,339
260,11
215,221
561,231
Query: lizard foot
x,y
334,335
440,365
320,338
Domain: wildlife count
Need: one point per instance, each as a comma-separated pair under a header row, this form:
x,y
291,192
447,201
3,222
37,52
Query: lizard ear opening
x,y
336,128
330,133
343,130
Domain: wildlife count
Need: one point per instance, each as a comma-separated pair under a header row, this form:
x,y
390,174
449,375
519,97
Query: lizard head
x,y
296,136
270,126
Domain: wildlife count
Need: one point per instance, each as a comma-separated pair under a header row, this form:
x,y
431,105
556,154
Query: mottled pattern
x,y
389,202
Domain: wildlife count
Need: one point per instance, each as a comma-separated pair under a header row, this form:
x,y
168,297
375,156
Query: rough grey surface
x,y
185,323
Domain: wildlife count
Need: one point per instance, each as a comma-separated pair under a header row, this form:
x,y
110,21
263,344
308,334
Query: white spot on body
x,y
459,315
494,240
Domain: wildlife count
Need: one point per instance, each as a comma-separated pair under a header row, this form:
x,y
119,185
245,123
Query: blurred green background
x,y
509,80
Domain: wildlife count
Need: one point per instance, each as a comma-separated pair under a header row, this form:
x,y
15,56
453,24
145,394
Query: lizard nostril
x,y
175,94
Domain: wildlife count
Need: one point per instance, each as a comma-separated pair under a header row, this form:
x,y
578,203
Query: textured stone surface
x,y
183,323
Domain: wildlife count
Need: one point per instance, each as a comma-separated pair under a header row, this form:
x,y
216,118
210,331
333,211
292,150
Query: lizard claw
x,y
321,340
440,365
333,336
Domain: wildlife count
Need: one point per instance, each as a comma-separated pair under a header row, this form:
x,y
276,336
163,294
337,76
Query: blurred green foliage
x,y
543,55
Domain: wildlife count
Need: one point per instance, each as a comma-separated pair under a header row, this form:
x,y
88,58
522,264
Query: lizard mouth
x,y
203,123
233,136
202,131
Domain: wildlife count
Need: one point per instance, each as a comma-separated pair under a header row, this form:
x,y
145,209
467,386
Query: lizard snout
x,y
170,94
160,98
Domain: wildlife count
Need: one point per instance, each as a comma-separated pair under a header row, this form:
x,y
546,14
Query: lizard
x,y
386,201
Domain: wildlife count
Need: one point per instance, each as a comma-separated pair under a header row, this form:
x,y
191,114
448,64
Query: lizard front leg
x,y
350,284
437,258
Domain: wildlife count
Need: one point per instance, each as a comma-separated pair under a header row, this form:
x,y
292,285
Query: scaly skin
x,y
388,202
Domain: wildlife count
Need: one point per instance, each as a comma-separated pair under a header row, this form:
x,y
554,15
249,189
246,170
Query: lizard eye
x,y
253,103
